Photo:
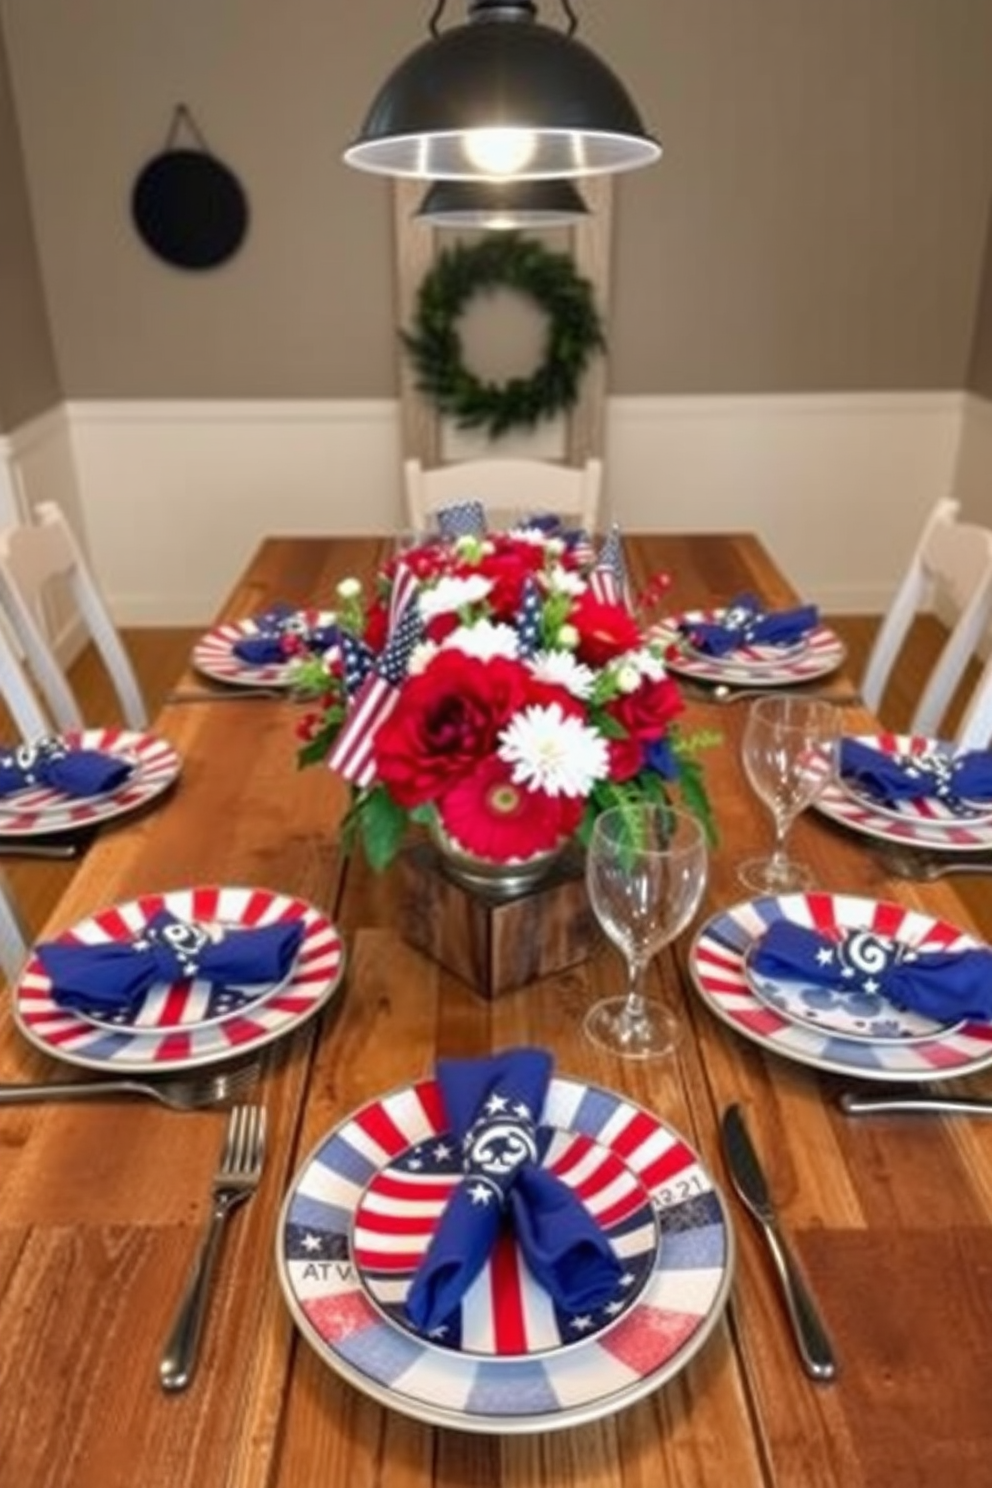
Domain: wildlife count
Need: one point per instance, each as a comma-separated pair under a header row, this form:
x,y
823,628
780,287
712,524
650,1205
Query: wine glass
x,y
788,752
645,872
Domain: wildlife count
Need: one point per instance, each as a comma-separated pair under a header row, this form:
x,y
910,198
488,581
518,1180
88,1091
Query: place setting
x,y
745,645
55,790
260,655
840,981
499,1248
184,980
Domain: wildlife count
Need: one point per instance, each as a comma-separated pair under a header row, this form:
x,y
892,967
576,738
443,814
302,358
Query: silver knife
x,y
867,1103
749,1181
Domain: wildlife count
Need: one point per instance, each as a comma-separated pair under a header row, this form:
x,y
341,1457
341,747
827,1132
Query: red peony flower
x,y
605,630
647,713
509,565
446,720
487,814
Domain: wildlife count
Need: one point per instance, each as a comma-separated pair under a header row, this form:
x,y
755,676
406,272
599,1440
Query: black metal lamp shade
x,y
499,97
501,204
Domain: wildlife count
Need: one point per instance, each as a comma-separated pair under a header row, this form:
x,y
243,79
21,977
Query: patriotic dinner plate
x,y
850,1012
39,810
718,964
681,1301
214,656
925,823
506,1313
183,1025
820,652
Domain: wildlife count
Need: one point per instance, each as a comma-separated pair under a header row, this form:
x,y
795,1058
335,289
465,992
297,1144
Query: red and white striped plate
x,y
214,657
668,1324
822,651
178,1026
920,823
505,1313
717,964
43,811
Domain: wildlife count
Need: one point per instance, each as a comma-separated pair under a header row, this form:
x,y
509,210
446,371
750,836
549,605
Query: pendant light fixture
x,y
501,205
502,97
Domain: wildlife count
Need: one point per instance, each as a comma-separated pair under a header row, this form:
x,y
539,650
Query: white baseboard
x,y
173,497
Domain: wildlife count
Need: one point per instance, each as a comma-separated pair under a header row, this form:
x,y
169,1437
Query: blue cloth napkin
x,y
915,777
51,762
745,623
275,627
112,977
943,985
493,1106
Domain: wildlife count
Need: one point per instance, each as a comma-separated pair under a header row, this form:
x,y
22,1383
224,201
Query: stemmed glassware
x,y
646,871
789,754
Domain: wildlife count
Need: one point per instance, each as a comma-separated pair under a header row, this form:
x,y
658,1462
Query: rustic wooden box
x,y
496,944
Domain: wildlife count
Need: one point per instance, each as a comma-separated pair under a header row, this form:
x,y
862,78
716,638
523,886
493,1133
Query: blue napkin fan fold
x,y
746,623
946,985
113,976
493,1107
52,763
891,778
275,626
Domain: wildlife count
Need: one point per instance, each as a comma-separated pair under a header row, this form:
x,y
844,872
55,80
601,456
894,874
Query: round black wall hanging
x,y
188,207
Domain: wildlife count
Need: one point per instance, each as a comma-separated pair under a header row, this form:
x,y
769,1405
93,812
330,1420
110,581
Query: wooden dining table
x,y
102,1204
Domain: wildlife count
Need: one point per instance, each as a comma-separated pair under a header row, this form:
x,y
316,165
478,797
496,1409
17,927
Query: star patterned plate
x,y
40,810
184,1025
717,963
213,655
680,1305
821,652
506,1313
855,1013
926,823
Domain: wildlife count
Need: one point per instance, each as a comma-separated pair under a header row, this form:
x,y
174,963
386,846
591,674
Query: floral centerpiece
x,y
501,689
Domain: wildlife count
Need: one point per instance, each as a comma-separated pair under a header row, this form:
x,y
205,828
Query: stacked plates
x,y
831,1028
926,823
184,1025
818,653
40,811
510,1361
214,656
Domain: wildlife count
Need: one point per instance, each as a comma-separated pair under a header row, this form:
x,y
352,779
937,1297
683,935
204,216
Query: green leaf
x,y
382,825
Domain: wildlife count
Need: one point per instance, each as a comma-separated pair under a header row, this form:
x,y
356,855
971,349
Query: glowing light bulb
x,y
500,152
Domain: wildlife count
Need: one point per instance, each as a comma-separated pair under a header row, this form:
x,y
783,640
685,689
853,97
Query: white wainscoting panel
x,y
175,496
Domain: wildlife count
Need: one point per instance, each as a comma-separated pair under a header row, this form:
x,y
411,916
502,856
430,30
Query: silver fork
x,y
191,1094
722,693
236,1179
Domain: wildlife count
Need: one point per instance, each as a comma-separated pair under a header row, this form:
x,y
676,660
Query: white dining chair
x,y
507,488
36,557
950,569
14,939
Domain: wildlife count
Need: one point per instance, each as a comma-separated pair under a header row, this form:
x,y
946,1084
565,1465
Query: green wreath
x,y
575,332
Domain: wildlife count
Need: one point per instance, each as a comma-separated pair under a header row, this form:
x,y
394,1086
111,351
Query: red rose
x,y
647,713
605,630
508,566
376,626
446,720
626,758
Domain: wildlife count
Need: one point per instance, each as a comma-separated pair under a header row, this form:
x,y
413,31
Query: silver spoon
x,y
923,869
722,693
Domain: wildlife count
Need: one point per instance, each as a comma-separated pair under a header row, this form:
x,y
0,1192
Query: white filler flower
x,y
452,593
483,640
562,668
551,752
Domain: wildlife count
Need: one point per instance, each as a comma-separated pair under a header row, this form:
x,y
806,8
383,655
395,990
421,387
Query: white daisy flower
x,y
421,656
452,593
554,753
532,535
562,668
484,640
647,664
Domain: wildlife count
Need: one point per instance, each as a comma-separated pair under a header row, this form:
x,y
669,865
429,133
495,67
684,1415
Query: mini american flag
x,y
353,755
405,585
529,618
356,659
608,580
464,519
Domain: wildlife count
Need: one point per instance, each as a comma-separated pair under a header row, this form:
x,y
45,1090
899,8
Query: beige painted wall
x,y
29,381
817,221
